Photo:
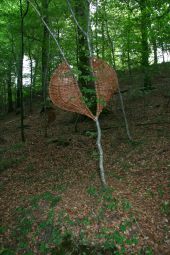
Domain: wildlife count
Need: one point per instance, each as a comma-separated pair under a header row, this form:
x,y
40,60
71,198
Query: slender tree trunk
x,y
128,52
9,89
17,89
129,62
21,72
35,72
163,51
110,41
155,51
103,38
120,95
3,98
31,81
77,47
128,44
144,43
45,50
20,69
45,56
81,13
18,98
96,32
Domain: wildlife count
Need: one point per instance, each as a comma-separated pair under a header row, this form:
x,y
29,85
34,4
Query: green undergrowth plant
x,y
160,191
60,188
116,176
30,167
126,165
165,207
39,229
92,191
35,225
95,155
12,148
5,161
149,193
10,162
91,134
113,237
46,196
146,250
6,251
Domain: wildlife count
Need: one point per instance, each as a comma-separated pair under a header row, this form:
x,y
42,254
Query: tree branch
x,y
51,33
102,173
75,20
26,11
86,34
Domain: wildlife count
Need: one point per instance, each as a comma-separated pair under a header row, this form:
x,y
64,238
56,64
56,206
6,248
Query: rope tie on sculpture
x,y
65,93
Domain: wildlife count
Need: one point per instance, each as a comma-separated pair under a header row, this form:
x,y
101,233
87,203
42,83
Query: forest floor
x,y
51,196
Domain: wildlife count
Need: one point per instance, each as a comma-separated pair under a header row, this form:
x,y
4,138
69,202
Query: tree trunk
x,y
9,89
20,69
103,38
155,51
128,44
31,81
17,89
45,55
81,13
3,98
96,32
85,79
45,50
110,41
144,43
163,52
35,72
18,99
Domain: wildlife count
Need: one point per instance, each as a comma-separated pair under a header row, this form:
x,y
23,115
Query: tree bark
x,y
9,89
163,51
128,44
96,31
144,43
45,50
101,167
31,81
110,41
155,51
103,38
81,13
18,99
36,59
20,69
45,55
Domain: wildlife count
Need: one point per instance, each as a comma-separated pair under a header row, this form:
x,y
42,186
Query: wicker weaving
x,y
65,93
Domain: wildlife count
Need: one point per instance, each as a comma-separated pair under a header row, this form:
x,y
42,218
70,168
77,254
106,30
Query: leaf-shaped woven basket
x,y
65,93
106,82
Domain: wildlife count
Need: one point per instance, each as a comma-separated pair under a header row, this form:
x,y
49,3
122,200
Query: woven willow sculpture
x,y
65,93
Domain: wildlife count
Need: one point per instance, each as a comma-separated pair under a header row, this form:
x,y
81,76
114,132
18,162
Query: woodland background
x,y
51,196
130,35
